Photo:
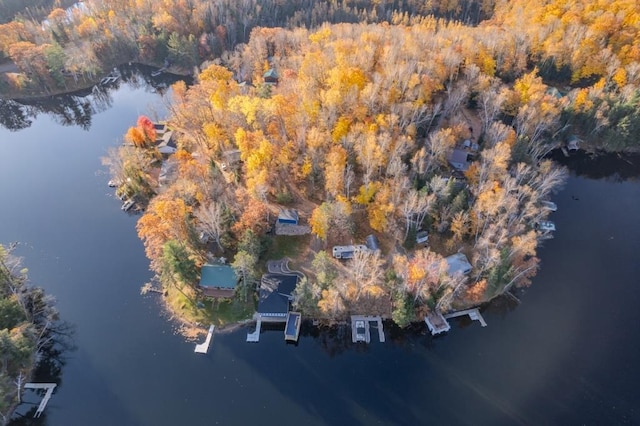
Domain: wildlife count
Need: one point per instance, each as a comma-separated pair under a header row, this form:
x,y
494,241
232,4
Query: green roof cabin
x,y
218,280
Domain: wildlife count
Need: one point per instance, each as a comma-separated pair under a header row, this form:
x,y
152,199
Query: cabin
x,y
271,76
288,217
459,159
218,280
422,237
458,263
372,242
276,293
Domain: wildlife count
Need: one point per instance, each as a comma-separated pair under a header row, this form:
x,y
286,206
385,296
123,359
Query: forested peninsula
x,y
427,125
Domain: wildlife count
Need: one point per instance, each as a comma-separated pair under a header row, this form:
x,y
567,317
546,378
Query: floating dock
x,y
255,336
366,336
203,348
292,329
474,314
49,387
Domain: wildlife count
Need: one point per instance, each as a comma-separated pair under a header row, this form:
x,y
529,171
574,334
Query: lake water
x,y
567,355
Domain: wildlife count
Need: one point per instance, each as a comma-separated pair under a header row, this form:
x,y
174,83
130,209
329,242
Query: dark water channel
x,y
567,355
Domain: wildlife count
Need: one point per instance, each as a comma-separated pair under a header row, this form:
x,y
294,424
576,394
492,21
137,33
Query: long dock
x,y
49,387
203,348
367,328
474,314
255,336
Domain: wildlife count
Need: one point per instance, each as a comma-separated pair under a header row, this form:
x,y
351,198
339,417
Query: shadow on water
x,y
78,108
610,166
53,357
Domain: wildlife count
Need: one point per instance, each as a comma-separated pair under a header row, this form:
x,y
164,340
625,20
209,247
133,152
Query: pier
x,y
49,387
203,348
474,314
255,336
363,333
292,328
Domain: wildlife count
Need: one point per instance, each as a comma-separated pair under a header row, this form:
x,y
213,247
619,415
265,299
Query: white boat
x,y
113,183
546,225
127,205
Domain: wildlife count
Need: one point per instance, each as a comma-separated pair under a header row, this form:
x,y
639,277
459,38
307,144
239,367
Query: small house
x,y
288,217
271,76
218,280
422,237
459,159
458,263
372,242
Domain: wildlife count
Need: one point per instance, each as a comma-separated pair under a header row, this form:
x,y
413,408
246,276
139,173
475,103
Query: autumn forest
x,y
352,113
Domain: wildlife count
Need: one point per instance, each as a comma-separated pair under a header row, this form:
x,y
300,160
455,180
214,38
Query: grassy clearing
x,y
219,312
287,246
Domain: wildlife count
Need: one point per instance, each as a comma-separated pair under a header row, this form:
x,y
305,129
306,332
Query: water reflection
x,y
78,108
53,358
610,166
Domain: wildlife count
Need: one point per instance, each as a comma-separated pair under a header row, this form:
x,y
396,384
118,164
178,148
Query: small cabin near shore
x,y
218,280
288,217
458,263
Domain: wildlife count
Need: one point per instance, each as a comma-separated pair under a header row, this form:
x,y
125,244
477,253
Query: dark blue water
x,y
567,355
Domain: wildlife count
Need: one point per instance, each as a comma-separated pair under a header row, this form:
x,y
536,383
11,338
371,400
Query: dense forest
x,y
357,134
352,112
28,326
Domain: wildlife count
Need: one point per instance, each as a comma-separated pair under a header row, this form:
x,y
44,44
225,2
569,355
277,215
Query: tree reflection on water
x,y
77,108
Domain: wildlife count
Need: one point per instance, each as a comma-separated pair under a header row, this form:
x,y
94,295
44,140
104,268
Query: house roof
x,y
458,263
288,214
271,73
459,156
218,276
275,291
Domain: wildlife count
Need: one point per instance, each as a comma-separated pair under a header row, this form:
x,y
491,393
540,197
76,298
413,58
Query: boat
x,y
546,225
114,182
127,205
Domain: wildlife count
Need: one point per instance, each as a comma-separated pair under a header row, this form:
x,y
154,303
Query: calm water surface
x,y
567,355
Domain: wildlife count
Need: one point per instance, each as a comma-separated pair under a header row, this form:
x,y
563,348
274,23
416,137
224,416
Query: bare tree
x,y
212,220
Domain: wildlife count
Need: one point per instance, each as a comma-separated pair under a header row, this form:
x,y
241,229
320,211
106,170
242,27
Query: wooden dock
x,y
366,336
436,323
203,348
292,328
49,387
255,336
474,314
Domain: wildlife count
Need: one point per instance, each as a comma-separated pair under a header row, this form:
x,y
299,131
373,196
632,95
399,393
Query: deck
x,y
474,314
49,387
255,336
437,323
203,348
367,328
292,329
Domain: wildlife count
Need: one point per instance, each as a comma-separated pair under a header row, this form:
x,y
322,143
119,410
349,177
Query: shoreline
x,y
85,85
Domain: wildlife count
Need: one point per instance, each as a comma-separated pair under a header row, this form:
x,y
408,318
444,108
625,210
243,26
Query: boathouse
x,y
218,280
276,292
